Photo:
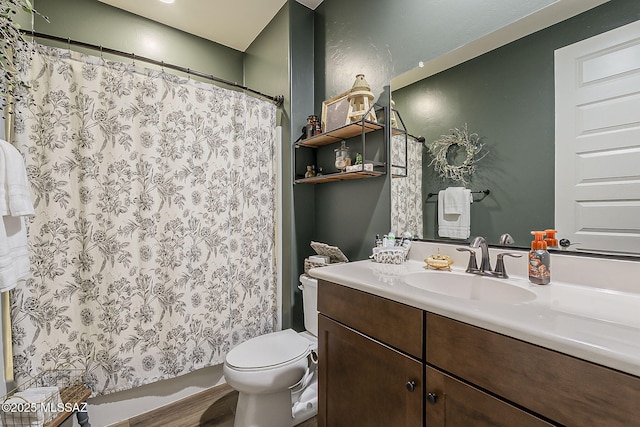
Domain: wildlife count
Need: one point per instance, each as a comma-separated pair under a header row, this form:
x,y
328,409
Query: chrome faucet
x,y
485,264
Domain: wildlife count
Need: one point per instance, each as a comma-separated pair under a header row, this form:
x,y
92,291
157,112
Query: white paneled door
x,y
597,140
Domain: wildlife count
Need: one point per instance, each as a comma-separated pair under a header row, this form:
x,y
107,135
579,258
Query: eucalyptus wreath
x,y
12,43
461,138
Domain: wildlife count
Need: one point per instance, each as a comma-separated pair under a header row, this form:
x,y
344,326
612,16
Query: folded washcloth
x,y
40,394
455,200
33,407
454,226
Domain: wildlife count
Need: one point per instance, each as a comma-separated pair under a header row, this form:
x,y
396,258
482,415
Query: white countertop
x,y
595,324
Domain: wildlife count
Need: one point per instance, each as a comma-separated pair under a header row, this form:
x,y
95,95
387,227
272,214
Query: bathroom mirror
x,y
503,88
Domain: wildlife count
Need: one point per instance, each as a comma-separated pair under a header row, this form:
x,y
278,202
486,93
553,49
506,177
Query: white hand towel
x,y
17,197
14,252
4,189
455,200
8,273
15,203
454,226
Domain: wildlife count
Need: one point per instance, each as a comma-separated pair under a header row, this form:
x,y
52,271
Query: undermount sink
x,y
469,286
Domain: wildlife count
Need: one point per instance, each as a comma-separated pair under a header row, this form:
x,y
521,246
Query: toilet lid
x,y
268,350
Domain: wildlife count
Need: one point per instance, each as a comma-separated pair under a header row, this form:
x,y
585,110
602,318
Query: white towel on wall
x,y
8,273
15,198
15,204
455,226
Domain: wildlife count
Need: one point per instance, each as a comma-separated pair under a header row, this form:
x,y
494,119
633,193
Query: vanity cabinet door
x,y
365,383
452,403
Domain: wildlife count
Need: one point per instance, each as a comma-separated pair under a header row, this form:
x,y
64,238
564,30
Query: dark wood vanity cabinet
x,y
382,363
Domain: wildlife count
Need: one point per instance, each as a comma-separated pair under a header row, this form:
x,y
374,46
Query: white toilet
x,y
275,374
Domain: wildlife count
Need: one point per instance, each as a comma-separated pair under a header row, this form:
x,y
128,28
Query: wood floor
x,y
222,413
213,407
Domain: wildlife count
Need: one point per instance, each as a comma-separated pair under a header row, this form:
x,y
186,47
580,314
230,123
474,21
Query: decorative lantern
x,y
360,100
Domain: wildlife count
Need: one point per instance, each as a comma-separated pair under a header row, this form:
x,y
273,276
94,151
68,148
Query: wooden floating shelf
x,y
341,176
336,135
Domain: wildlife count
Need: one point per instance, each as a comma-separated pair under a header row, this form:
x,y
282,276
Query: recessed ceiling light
x,y
167,1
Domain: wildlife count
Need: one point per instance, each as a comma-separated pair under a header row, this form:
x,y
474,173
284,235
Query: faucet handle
x,y
500,270
472,267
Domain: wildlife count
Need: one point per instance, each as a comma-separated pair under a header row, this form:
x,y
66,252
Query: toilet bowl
x,y
275,374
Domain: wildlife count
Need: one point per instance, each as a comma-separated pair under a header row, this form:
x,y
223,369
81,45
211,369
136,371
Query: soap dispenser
x,y
539,260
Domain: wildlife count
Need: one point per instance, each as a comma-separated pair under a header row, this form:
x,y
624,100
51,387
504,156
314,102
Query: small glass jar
x,y
343,157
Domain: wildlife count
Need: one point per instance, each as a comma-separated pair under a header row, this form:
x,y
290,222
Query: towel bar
x,y
485,192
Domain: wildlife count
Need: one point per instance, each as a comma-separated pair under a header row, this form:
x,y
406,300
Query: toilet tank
x,y
309,287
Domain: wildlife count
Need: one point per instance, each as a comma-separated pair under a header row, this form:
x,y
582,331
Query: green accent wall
x,y
280,61
302,208
383,40
507,97
266,69
94,22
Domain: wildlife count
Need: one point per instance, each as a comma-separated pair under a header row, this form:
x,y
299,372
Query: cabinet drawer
x,y
392,323
561,388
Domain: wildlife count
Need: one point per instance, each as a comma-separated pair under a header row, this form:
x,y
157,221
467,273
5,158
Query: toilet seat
x,y
268,351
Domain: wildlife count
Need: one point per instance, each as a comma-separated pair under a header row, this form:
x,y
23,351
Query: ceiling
x,y
231,23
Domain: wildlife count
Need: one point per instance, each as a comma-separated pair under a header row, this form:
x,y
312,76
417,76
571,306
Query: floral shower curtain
x,y
406,193
152,248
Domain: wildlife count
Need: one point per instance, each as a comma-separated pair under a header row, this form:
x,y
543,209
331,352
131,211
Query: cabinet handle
x,y
432,398
411,385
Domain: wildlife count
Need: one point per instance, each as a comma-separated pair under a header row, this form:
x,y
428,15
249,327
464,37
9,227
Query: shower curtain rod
x,y
278,99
